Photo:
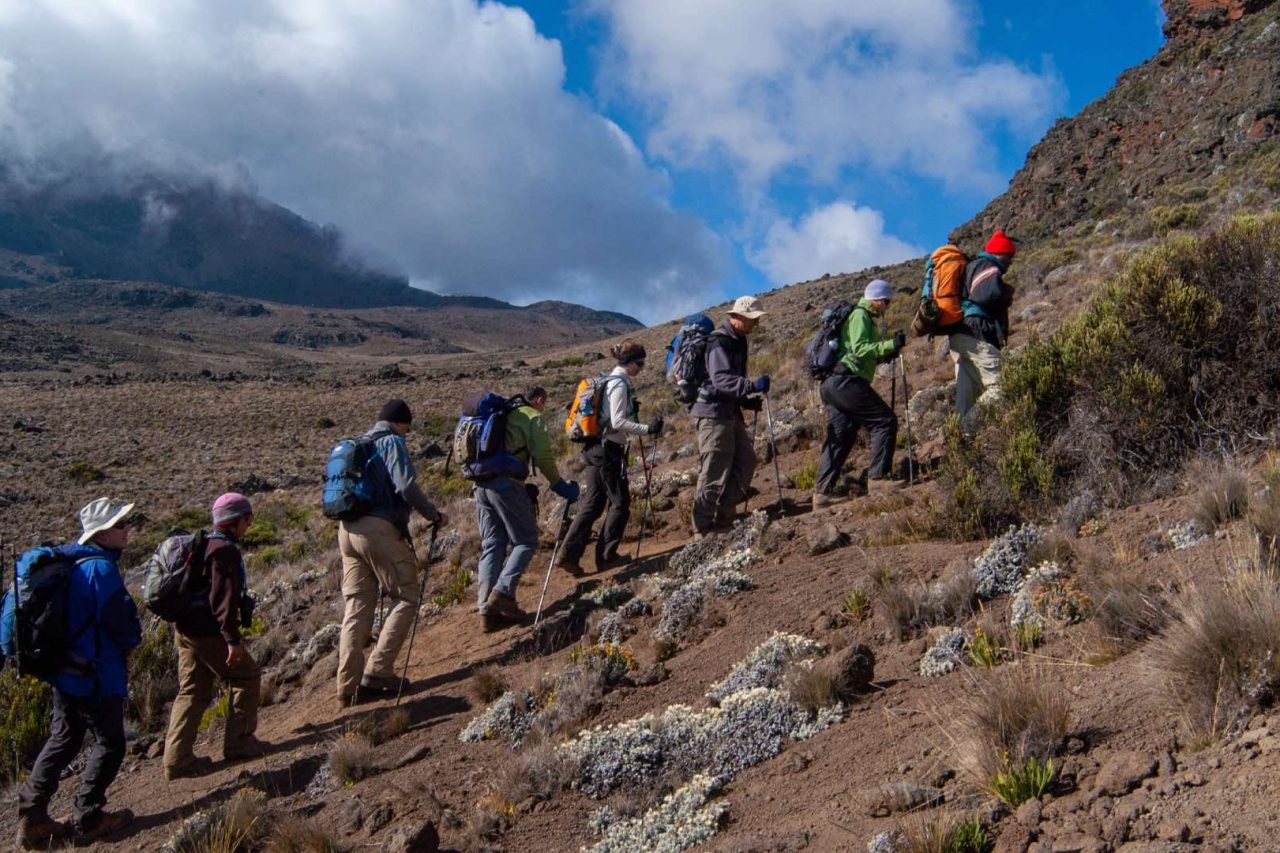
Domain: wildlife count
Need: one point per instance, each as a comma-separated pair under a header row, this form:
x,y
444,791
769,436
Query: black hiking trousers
x,y
73,717
851,403
605,484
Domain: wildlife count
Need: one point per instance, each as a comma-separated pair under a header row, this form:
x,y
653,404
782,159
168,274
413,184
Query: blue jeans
x,y
507,519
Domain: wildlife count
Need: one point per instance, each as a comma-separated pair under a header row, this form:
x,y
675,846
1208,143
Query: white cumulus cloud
x,y
817,86
436,133
840,237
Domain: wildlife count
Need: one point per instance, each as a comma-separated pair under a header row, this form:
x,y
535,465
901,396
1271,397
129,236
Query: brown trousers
x,y
201,662
728,464
374,554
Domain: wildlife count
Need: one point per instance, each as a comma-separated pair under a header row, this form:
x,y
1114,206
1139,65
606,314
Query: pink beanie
x,y
229,507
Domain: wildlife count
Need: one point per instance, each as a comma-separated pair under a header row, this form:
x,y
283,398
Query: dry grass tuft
x,y
1127,608
487,685
1219,659
941,832
294,835
812,688
1222,492
909,608
1010,717
239,824
1264,524
352,758
539,774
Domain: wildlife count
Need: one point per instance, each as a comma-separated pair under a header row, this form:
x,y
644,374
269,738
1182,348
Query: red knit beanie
x,y
1000,244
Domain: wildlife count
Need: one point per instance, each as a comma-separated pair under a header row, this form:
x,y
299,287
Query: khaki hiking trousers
x,y
977,376
728,464
202,661
374,554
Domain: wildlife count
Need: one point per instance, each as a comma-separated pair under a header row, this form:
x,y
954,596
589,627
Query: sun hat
x,y
99,515
749,307
229,507
878,289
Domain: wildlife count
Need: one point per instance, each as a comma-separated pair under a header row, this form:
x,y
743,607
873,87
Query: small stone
x,y
826,538
896,797
350,816
418,753
380,816
1123,772
1173,830
420,839
1028,814
156,749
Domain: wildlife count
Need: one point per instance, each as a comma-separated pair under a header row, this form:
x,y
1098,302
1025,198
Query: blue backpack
x,y
34,629
480,438
349,492
686,366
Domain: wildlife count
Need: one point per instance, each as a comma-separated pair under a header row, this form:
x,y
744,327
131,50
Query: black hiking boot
x,y
39,832
101,824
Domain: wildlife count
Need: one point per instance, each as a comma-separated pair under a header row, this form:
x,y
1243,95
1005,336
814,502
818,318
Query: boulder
x,y
854,668
1123,772
826,538
422,838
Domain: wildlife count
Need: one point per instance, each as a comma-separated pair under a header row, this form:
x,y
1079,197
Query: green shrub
x,y
984,650
568,361
217,711
1026,780
153,677
978,502
857,604
190,518
805,478
453,589
24,721
1166,218
261,533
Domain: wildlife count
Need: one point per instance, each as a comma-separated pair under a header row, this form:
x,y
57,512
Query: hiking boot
x,y
821,500
503,607
188,769
613,562
101,824
360,697
491,622
246,748
570,566
382,685
38,832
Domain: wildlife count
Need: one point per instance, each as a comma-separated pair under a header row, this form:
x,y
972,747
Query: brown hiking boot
x,y
102,824
613,562
571,566
38,832
503,607
821,500
188,769
247,748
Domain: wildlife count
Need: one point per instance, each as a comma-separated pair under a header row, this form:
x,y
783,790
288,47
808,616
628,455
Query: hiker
x,y
728,455
211,648
976,341
89,693
607,485
851,401
378,553
507,513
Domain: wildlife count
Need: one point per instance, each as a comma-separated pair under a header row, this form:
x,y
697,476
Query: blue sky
x,y
647,156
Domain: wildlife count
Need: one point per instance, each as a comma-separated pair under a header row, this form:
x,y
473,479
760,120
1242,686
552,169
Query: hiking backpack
x,y
822,355
348,491
171,573
686,367
34,629
583,422
943,293
480,438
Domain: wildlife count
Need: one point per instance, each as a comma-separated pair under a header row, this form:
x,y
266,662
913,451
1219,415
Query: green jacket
x,y
527,438
861,348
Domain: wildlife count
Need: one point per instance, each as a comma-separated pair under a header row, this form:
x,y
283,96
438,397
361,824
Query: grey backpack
x,y
172,573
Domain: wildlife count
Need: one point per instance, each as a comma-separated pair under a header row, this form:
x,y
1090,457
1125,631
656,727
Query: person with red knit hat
x,y
976,341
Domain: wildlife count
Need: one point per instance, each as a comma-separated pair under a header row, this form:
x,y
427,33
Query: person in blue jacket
x,y
89,694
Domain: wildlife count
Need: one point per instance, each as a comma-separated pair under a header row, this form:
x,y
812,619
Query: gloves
x,y
751,404
655,428
761,385
566,489
899,341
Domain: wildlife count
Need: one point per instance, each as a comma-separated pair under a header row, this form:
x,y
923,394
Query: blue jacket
x,y
98,598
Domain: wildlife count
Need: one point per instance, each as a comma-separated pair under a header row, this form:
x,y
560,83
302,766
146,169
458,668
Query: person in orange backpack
x,y
976,341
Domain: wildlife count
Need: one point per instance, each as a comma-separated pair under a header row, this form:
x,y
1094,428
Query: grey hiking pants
x,y
605,485
507,519
728,464
73,716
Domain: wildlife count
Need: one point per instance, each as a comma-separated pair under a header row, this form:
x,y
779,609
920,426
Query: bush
x,y
487,685
296,835
857,604
1220,659
813,689
805,478
978,504
941,832
153,677
84,473
238,825
1126,608
1222,493
24,721
352,758
1264,524
1027,780
261,533
1015,716
984,650
909,608
452,588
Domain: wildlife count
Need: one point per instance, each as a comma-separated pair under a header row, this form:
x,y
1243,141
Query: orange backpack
x,y
583,421
940,301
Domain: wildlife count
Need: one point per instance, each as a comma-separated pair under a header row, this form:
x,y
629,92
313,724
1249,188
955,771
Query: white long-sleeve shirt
x,y
621,413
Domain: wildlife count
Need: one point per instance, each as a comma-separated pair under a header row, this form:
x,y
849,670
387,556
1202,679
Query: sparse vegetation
x,y
1222,494
1264,524
857,604
488,684
805,478
452,589
84,473
813,688
351,759
910,608
942,832
984,651
295,835
238,825
1026,780
24,721
153,677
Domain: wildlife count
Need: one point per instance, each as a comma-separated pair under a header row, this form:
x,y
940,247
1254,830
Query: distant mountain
x,y
202,237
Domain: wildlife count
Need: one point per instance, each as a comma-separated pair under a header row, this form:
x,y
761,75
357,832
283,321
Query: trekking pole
x,y
773,446
555,552
417,614
648,493
906,407
755,433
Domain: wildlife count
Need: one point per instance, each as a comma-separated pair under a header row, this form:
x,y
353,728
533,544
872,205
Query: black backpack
x,y
34,626
822,355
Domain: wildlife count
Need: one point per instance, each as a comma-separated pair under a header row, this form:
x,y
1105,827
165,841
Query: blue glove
x,y
567,490
762,384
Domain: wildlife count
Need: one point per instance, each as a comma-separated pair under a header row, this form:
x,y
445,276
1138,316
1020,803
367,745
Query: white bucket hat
x,y
100,515
749,307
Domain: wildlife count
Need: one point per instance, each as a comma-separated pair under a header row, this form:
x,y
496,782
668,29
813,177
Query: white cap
x,y
749,307
102,514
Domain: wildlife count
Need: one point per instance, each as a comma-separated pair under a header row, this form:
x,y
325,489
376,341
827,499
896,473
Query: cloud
x,y
840,237
438,135
818,86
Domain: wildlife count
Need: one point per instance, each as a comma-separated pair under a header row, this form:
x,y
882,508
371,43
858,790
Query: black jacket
x,y
727,385
987,300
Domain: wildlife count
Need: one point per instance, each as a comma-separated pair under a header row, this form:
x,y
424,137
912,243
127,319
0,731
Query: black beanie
x,y
396,411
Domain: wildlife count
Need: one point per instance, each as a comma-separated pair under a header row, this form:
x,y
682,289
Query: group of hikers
x,y
372,489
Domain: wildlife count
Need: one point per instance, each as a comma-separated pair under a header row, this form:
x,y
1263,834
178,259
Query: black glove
x,y
899,341
247,605
751,404
655,428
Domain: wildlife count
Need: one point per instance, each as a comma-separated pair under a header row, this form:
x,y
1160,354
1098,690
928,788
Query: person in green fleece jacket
x,y
851,401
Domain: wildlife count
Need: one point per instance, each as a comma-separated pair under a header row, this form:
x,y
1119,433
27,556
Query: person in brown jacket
x,y
210,647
